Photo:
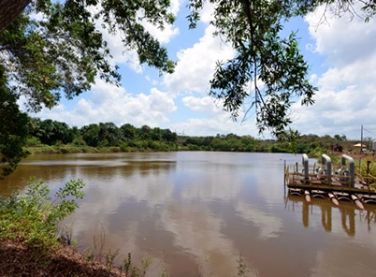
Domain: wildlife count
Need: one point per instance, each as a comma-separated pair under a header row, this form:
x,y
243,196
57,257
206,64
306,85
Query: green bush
x,y
32,141
277,149
78,142
193,147
32,218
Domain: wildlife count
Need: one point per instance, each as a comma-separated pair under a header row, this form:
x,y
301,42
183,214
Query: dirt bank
x,y
17,260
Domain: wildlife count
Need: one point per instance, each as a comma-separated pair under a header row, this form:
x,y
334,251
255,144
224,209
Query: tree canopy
x,y
57,48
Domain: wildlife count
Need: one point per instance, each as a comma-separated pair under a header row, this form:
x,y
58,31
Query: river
x,y
199,213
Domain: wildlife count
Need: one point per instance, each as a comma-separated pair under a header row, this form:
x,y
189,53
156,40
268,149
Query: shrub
x,y
32,218
32,141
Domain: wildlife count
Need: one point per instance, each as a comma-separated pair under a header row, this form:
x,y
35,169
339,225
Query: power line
x,y
374,133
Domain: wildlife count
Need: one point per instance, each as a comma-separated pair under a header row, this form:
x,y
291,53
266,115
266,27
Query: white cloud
x,y
196,230
196,65
343,40
165,35
213,126
175,6
207,13
151,81
269,225
108,103
338,112
346,97
213,119
206,104
169,31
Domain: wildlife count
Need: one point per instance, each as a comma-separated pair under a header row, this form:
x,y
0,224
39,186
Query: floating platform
x,y
343,185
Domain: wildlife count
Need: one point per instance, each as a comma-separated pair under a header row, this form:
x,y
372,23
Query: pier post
x,y
325,160
351,168
284,172
305,167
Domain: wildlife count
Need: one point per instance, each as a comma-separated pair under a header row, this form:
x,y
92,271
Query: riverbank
x,y
32,244
65,149
18,259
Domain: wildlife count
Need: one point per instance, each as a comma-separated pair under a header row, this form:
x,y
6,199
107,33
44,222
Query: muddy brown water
x,y
198,213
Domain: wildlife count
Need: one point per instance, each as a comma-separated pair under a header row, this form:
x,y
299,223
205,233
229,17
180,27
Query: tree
x,y
9,10
90,134
144,132
169,136
266,66
156,133
13,129
262,56
62,51
128,132
109,134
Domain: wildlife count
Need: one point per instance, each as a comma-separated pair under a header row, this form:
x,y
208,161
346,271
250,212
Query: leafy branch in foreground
x,y
32,218
59,47
266,67
268,73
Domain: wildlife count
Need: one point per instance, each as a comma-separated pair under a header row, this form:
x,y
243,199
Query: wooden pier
x,y
341,185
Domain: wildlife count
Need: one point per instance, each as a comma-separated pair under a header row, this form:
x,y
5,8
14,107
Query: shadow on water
x,y
347,215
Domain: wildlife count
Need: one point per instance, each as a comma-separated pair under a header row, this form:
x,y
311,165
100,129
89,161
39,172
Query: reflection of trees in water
x,y
52,175
144,168
56,174
348,214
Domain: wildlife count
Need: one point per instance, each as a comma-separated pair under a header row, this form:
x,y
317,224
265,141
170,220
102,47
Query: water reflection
x,y
346,215
269,226
196,212
57,172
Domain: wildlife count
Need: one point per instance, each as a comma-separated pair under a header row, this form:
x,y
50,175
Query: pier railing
x,y
325,175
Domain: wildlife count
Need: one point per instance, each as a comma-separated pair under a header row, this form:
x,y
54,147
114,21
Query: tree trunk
x,y
9,10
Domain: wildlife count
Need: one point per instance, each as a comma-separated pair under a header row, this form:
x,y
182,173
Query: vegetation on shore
x,y
49,136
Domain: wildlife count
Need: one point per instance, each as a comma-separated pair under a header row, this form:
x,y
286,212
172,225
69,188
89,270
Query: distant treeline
x,y
130,138
310,144
127,137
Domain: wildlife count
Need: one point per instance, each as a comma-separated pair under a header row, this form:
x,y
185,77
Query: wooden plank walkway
x,y
297,180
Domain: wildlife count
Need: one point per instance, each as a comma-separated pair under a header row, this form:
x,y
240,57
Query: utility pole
x,y
361,145
361,139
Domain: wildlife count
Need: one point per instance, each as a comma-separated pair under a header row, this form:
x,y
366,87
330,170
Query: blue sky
x,y
341,53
